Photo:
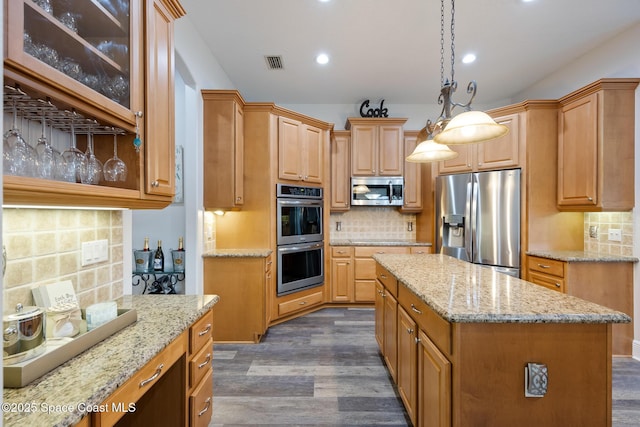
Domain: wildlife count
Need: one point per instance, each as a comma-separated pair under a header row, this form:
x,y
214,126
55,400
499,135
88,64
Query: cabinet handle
x,y
238,199
409,331
152,377
468,165
302,302
208,402
269,262
155,183
380,252
205,330
413,307
544,266
206,362
558,285
418,252
417,340
382,276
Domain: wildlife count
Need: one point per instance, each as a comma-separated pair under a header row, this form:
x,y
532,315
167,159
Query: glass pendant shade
x,y
470,127
431,151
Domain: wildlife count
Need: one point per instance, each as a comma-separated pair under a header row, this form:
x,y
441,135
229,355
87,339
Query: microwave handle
x,y
390,191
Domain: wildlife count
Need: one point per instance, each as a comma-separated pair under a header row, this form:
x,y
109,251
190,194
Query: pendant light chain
x,y
441,43
453,54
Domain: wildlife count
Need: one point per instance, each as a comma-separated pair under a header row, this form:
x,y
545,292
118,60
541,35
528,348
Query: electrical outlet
x,y
593,231
615,235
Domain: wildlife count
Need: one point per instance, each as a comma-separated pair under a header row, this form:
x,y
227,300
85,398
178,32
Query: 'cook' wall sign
x,y
365,111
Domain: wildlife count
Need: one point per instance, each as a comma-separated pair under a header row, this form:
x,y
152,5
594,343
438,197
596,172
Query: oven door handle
x,y
299,202
298,248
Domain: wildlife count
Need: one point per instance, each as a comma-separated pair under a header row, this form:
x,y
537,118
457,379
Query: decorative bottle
x,y
158,259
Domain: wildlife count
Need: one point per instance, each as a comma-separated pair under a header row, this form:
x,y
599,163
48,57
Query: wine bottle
x,y
146,244
158,259
180,244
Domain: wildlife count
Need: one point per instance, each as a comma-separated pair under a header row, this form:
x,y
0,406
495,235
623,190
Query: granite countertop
x,y
581,256
238,253
463,292
89,378
374,242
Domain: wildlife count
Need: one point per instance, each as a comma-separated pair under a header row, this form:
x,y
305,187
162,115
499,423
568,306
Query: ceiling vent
x,y
274,62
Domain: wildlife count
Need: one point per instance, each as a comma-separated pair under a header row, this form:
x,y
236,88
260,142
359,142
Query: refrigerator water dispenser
x,y
453,231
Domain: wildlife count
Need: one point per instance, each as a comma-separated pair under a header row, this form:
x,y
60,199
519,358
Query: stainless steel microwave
x,y
377,191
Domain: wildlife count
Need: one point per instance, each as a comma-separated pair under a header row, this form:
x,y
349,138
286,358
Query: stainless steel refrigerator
x,y
478,218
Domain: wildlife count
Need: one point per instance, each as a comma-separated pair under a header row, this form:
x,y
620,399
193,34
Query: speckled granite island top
x,y
581,256
238,253
373,242
465,293
89,378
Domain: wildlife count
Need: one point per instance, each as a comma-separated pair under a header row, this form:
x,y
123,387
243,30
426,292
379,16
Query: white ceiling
x,y
390,49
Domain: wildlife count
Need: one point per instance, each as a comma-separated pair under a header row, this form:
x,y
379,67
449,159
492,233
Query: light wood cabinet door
x,y
379,315
390,150
463,163
596,160
364,146
578,153
223,149
407,363
412,178
311,154
340,172
434,385
159,132
501,152
342,286
390,334
289,156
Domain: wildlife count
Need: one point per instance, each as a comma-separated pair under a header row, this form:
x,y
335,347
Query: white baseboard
x,y
635,351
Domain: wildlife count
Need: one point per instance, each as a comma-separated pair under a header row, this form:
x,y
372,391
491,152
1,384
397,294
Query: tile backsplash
x,y
604,221
43,246
367,223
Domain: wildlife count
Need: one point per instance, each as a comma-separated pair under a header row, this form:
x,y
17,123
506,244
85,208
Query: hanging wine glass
x,y
92,174
19,161
45,153
75,159
114,168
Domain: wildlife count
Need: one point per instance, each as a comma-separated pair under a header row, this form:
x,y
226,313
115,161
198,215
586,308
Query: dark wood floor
x,y
324,369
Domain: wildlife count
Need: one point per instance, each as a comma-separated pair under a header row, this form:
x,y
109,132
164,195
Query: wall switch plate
x,y
615,235
94,251
593,231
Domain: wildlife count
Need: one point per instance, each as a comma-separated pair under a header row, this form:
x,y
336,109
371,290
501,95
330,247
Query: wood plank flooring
x,y
324,369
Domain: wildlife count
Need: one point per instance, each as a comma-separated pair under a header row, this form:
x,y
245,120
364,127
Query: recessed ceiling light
x,y
468,58
322,59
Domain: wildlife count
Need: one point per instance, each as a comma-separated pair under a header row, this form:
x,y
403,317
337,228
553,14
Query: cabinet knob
x,y
590,199
238,199
558,285
417,340
409,331
155,184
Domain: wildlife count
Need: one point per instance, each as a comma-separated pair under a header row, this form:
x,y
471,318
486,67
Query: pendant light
x,y
466,128
428,150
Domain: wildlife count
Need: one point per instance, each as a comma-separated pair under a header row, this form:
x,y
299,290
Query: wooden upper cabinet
x,y
412,177
377,146
596,147
159,98
340,171
499,153
223,149
300,151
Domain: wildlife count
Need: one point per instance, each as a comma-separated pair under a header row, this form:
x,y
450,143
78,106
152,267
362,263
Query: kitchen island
x,y
82,385
469,346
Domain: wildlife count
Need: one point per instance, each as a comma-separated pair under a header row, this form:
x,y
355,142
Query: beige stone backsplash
x,y
605,221
367,223
44,246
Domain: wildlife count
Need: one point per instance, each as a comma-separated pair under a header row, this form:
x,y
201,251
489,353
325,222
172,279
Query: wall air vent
x,y
274,62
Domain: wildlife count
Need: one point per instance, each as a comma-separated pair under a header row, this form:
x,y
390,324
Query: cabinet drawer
x,y
438,329
547,266
201,401
420,249
299,303
387,279
142,381
341,251
200,364
369,251
200,332
548,281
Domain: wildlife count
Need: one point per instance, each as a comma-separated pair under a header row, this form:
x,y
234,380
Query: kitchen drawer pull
x,y
208,402
413,307
206,362
152,377
205,331
544,266
558,285
383,276
302,302
380,252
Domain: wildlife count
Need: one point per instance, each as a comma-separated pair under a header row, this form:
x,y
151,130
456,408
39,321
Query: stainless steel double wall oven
x,y
300,262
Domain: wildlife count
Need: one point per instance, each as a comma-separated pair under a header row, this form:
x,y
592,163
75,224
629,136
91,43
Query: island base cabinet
x,y
201,402
434,385
489,366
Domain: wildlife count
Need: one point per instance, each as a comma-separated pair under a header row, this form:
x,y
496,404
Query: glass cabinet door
x,y
80,47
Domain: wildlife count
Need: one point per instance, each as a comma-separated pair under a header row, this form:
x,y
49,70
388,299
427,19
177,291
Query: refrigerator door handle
x,y
470,226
